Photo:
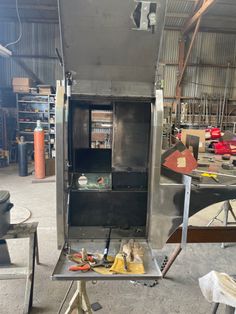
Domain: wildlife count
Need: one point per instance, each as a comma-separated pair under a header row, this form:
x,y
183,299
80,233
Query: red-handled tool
x,y
83,268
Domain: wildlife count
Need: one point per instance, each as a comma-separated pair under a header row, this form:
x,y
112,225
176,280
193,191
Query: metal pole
x,y
187,183
225,93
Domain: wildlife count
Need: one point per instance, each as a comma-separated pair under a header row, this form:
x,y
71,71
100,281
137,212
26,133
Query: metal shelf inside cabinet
x,y
31,132
32,142
33,101
34,122
34,112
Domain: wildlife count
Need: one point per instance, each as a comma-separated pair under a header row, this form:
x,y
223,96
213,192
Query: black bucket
x,y
5,207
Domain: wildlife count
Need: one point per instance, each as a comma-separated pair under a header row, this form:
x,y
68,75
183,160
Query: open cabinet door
x,y
61,271
110,47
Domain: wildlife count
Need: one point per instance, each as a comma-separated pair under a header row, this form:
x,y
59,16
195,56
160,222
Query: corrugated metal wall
x,y
209,48
38,40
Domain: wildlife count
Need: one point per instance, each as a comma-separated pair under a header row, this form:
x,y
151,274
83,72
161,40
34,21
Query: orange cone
x,y
39,155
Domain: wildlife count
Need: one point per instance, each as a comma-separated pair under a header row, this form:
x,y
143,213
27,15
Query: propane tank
x,y
22,158
39,155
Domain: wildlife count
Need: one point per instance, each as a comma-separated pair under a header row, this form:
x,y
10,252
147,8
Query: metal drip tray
x,y
61,271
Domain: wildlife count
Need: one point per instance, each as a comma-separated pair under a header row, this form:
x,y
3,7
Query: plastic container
x,y
5,207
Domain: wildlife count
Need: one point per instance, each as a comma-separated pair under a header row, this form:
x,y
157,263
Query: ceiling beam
x,y
30,20
218,2
224,18
204,29
28,6
198,14
21,56
189,52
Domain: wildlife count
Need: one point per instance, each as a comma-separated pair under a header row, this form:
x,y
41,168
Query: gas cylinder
x,y
22,158
39,155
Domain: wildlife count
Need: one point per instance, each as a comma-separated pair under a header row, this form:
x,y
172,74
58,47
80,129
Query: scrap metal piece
x,y
179,159
193,141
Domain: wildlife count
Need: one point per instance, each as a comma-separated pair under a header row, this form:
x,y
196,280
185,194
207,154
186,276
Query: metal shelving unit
x,y
33,107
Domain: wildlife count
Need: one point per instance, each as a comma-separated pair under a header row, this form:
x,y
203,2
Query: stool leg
x,y
30,278
73,303
226,215
80,300
37,248
229,309
215,308
85,300
171,260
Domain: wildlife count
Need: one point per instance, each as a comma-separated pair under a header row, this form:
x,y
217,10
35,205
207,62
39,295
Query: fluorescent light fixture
x,y
4,52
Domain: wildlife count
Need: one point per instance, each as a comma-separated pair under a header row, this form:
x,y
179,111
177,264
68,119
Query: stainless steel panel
x,y
86,233
61,271
131,136
170,198
114,88
61,197
154,208
100,42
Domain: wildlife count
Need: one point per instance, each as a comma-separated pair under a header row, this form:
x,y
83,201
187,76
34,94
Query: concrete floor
x,y
179,293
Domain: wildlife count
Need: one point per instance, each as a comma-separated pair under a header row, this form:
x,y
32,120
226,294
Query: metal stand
x,y
187,183
80,300
8,271
171,260
228,309
226,207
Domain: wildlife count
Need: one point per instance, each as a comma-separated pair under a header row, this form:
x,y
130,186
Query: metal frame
x,y
21,231
192,20
155,167
61,195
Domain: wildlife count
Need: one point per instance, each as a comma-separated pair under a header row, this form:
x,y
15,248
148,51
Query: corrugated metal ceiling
x,y
220,16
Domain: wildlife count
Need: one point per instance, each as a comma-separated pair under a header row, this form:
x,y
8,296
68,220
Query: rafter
x,y
198,14
29,6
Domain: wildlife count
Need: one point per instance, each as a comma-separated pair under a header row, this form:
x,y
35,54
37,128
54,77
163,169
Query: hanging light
x,y
4,52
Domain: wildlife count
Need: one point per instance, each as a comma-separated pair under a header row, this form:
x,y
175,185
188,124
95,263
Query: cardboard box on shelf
x,y
199,133
21,84
45,89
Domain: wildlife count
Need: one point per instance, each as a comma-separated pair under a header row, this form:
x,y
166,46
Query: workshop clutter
x,y
212,140
179,159
25,85
226,144
128,260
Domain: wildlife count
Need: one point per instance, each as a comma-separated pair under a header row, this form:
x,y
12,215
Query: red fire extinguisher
x,y
39,155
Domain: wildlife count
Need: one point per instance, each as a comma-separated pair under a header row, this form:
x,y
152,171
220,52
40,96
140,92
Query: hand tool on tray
x,y
210,175
124,255
105,262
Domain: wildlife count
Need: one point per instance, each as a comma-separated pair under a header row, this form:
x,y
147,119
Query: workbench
x,y
203,193
9,271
